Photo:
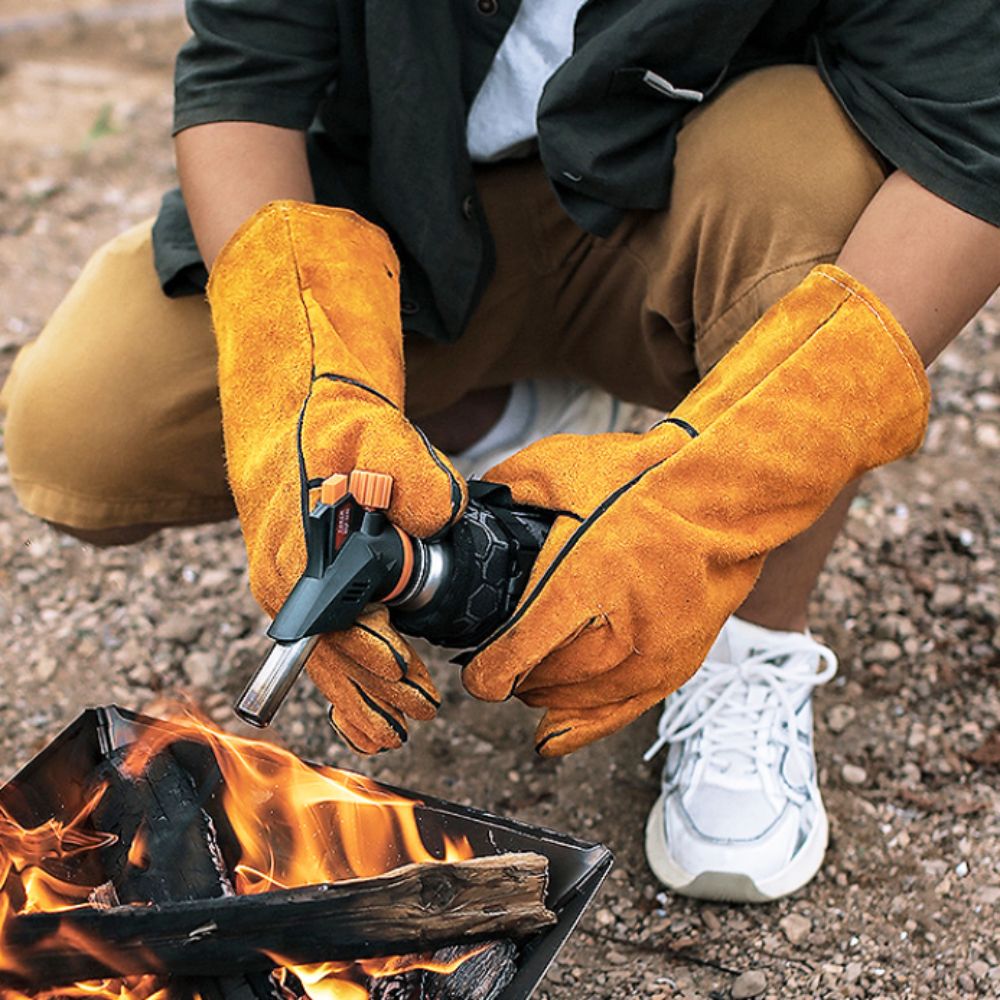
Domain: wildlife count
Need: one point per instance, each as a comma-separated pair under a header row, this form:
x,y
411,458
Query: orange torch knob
x,y
333,489
372,490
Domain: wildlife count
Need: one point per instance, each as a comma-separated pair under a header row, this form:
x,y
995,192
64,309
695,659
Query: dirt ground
x,y
908,901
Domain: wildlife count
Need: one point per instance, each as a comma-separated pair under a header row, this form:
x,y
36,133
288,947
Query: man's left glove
x,y
661,536
305,305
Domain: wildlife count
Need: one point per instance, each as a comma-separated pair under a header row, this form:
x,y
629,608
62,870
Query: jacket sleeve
x,y
267,61
921,80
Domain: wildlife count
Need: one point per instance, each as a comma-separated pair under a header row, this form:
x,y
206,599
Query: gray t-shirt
x,y
502,120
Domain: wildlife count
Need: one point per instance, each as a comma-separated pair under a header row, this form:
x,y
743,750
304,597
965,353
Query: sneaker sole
x,y
733,887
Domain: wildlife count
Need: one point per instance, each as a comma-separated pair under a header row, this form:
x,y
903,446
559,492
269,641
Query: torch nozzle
x,y
272,681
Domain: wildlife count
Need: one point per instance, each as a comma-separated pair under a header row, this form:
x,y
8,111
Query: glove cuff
x,y
806,313
884,317
277,220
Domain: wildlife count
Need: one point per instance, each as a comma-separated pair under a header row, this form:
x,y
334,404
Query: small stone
x,y
216,579
980,969
967,983
153,566
180,628
46,669
87,646
962,869
986,400
852,972
220,714
40,188
795,927
839,717
885,651
988,436
749,984
853,774
832,973
988,895
141,674
946,596
773,944
201,669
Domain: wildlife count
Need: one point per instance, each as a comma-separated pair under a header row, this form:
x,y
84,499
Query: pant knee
x,y
771,182
776,161
112,413
108,469
60,441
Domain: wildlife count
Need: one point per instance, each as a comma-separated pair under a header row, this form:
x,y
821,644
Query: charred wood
x,y
167,851
482,976
414,909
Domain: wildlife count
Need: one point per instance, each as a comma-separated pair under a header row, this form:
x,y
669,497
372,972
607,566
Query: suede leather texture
x,y
305,308
663,535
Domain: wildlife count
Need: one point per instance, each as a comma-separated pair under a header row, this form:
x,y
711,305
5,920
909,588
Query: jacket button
x,y
467,206
408,307
488,7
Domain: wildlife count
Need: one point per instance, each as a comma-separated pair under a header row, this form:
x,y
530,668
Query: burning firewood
x,y
166,852
165,846
481,975
385,914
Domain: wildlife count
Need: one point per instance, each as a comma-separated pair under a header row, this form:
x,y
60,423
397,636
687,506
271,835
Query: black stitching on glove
x,y
595,515
396,655
552,736
399,730
426,695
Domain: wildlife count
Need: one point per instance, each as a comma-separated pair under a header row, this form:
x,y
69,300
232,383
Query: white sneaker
x,y
540,407
740,816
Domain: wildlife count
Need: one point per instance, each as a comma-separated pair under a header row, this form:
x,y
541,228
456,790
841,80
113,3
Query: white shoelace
x,y
732,722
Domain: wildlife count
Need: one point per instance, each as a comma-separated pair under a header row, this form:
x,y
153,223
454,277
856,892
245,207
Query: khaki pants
x,y
113,415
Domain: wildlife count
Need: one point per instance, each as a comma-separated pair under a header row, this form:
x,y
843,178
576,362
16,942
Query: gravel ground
x,y
908,900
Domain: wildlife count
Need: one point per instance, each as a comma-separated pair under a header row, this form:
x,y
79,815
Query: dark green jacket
x,y
384,87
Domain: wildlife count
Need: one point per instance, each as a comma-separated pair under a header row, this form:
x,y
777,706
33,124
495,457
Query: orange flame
x,y
137,856
295,825
335,980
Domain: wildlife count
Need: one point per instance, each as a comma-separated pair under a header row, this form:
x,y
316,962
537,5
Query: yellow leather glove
x,y
305,305
661,536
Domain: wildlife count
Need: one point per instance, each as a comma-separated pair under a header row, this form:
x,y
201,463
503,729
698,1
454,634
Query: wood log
x,y
192,928
166,851
484,973
166,848
413,909
482,976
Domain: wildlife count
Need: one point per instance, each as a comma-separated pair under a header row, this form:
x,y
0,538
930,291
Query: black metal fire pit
x,y
57,782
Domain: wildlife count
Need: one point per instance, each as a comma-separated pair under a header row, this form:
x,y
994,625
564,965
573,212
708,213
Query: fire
x,y
136,856
29,886
295,825
334,980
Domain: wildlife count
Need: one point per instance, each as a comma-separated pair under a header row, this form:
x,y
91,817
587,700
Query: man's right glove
x,y
661,536
305,304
